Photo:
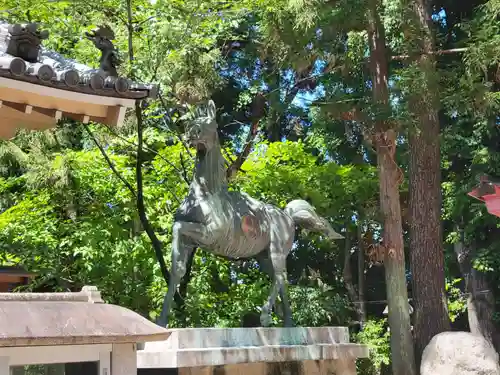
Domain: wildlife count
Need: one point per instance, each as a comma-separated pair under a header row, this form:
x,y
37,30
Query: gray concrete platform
x,y
199,349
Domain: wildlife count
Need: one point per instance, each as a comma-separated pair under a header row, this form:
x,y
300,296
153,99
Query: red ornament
x,y
251,226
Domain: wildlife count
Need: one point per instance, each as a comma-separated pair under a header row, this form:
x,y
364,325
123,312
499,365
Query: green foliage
x,y
484,50
73,222
457,303
283,172
67,217
317,306
376,336
91,244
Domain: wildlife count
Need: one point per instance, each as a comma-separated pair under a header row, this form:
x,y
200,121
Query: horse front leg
x,y
184,235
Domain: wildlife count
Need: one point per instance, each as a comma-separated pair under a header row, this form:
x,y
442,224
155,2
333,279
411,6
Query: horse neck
x,y
210,173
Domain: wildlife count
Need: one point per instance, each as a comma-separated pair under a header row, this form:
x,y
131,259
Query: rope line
x,y
384,301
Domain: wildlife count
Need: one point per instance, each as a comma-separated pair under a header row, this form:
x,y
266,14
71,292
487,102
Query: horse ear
x,y
211,110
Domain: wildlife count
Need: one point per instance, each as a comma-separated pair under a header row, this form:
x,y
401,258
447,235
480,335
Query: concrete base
x,y
252,351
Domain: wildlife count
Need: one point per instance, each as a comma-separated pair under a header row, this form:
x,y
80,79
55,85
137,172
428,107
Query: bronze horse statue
x,y
232,224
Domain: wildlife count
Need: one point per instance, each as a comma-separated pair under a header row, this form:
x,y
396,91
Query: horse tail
x,y
305,216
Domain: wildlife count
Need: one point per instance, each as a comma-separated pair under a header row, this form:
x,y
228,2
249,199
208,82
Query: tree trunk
x,y
356,296
273,125
426,250
403,361
480,303
426,243
361,277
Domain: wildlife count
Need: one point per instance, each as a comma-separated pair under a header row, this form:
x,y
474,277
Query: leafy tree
x,y
309,97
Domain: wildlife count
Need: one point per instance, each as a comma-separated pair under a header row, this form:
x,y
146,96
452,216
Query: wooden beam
x,y
115,116
39,117
27,115
14,119
54,113
50,102
64,95
77,117
24,108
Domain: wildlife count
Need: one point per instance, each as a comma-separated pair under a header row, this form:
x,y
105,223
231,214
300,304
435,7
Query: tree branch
x,y
138,195
235,166
110,163
257,113
156,243
187,277
157,246
184,171
130,29
361,275
436,53
150,150
146,147
347,274
177,134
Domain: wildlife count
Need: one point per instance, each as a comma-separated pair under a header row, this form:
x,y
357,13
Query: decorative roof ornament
x,y
23,41
110,60
102,38
39,86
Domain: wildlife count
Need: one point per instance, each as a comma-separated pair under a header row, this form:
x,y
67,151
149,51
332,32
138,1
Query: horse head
x,y
201,132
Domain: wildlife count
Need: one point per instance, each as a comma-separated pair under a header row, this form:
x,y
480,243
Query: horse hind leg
x,y
278,254
287,310
267,266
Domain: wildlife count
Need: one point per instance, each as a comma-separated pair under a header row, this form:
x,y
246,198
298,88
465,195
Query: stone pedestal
x,y
252,351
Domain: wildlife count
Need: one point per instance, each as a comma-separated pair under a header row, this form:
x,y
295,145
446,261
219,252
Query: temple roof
x,y
23,58
36,319
38,86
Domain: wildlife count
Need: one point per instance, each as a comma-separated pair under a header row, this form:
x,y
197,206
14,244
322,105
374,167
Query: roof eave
x,y
81,340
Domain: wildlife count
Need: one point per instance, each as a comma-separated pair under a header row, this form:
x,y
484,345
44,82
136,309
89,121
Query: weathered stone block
x,y
459,353
253,351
